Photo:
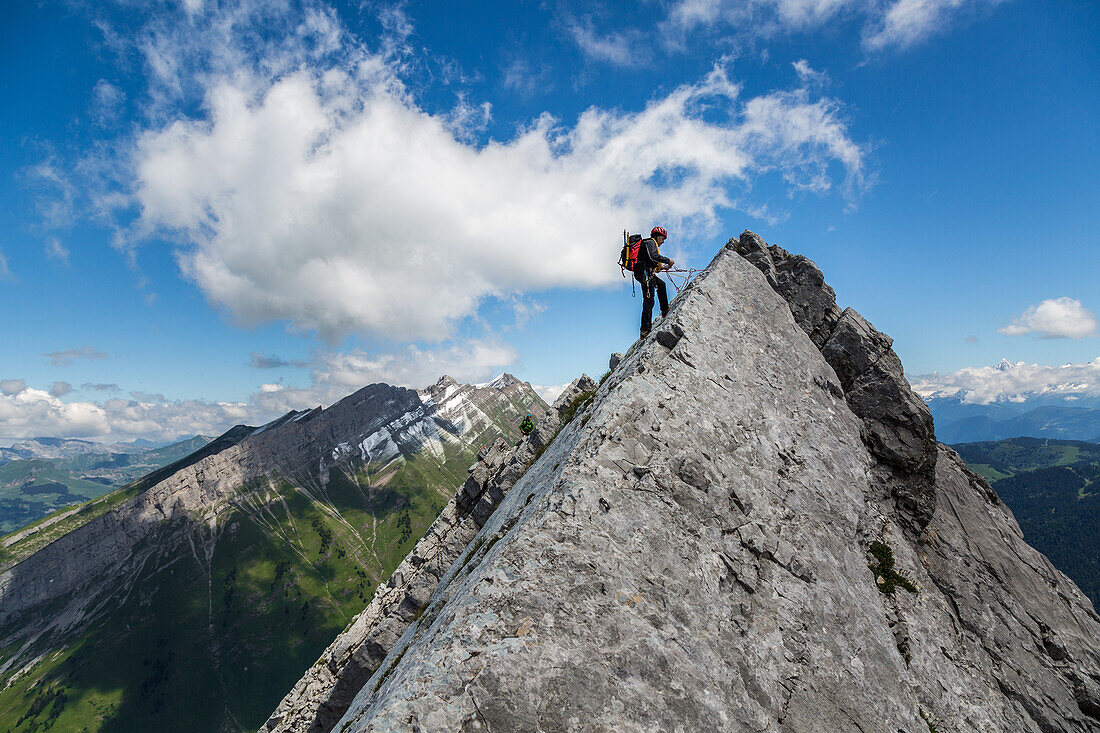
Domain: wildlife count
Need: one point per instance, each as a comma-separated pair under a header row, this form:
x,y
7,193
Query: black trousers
x,y
650,283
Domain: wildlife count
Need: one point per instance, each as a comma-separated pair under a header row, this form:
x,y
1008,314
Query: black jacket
x,y
649,256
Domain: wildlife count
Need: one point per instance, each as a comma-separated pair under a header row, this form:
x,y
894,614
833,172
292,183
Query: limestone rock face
x,y
691,552
897,424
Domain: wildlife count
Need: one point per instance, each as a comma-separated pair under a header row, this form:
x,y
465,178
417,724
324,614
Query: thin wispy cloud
x,y
414,366
909,22
1055,318
107,102
101,387
523,79
618,48
5,271
260,360
68,356
57,251
898,24
55,193
809,76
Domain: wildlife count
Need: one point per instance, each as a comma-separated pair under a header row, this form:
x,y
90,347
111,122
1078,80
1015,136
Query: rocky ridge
x,y
692,552
323,694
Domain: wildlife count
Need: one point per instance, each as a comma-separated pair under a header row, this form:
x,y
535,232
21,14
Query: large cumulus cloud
x,y
327,197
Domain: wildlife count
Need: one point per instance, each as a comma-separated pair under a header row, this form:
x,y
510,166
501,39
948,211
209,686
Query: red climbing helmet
x,y
659,230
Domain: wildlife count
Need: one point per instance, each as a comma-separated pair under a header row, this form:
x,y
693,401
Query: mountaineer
x,y
527,425
646,267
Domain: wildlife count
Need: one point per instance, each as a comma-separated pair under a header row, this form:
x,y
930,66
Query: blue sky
x,y
212,213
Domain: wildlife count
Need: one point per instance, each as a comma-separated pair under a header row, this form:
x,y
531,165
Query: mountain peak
x,y
501,381
748,525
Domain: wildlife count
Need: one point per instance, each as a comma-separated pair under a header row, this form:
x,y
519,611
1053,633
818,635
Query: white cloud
x,y
687,14
1055,318
12,387
5,271
808,75
57,251
760,17
466,120
55,193
908,22
107,101
551,392
31,413
522,79
896,23
329,199
469,361
617,48
60,389
1012,381
806,13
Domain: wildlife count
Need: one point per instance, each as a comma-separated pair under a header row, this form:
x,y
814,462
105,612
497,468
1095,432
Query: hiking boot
x,y
645,332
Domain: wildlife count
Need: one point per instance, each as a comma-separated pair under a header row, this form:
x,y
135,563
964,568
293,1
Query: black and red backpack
x,y
628,257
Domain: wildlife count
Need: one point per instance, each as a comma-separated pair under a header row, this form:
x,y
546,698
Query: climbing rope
x,y
683,275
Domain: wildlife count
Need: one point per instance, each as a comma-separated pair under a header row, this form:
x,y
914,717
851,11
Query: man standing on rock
x,y
645,272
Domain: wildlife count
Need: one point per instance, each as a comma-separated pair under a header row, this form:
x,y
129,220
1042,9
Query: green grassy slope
x,y
1004,458
1053,489
30,489
213,639
218,624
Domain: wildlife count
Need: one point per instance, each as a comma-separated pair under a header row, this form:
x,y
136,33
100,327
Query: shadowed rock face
x,y
692,552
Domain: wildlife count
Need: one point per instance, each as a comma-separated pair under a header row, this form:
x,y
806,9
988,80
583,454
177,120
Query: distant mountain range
x,y
1038,417
71,447
193,598
41,475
